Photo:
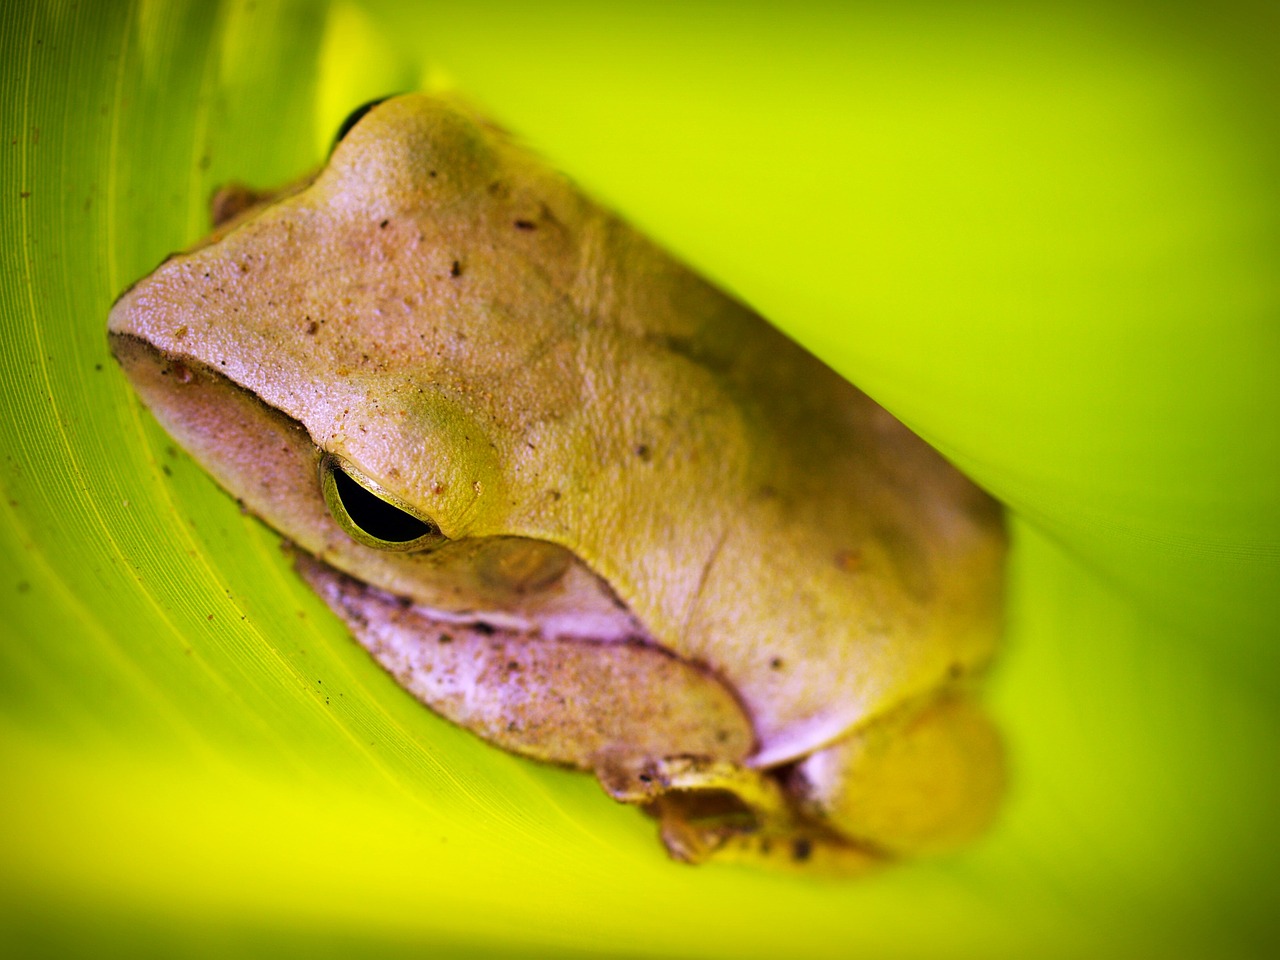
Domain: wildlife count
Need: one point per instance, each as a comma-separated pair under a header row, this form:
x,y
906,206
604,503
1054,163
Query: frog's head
x,y
397,365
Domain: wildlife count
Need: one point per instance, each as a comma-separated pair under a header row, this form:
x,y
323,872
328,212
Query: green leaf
x,y
1047,240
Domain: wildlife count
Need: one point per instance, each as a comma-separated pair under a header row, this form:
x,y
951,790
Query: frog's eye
x,y
370,515
353,118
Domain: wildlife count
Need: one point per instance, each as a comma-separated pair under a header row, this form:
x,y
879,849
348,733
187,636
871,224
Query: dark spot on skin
x,y
444,638
801,850
643,452
511,727
97,366
645,778
484,629
775,663
312,328
955,671
512,665
164,468
23,586
848,560
180,332
526,225
456,269
765,845
383,224
910,560
431,173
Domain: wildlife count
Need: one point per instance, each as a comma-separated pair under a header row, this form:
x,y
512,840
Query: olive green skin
x,y
646,496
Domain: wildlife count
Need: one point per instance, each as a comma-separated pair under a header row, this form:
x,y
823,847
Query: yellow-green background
x,y
1046,237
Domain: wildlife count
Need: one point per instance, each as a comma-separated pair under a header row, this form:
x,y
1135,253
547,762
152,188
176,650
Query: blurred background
x,y
1045,236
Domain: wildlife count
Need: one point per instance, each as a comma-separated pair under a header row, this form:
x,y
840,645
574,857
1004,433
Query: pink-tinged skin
x,y
665,544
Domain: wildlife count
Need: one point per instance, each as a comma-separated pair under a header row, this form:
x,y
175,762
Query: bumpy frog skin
x,y
581,502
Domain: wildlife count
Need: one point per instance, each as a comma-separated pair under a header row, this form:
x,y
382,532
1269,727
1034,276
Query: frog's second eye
x,y
353,118
371,516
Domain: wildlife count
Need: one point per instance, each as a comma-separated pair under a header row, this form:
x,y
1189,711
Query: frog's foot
x,y
716,810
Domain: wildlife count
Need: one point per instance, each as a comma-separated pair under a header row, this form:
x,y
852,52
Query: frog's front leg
x,y
663,734
723,811
563,699
923,779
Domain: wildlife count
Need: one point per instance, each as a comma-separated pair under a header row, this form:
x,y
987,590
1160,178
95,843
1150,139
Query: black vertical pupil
x,y
354,117
374,515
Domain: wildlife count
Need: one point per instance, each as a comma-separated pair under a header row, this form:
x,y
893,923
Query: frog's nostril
x,y
371,519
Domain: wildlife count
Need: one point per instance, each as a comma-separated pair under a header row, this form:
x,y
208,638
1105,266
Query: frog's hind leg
x,y
920,780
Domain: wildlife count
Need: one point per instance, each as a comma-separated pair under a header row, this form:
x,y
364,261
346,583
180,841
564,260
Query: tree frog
x,y
583,503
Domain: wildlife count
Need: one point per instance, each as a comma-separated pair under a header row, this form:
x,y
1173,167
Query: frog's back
x,y
781,527
765,517
852,569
